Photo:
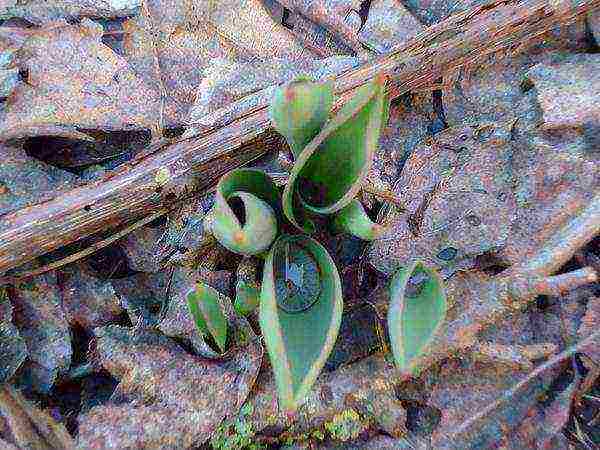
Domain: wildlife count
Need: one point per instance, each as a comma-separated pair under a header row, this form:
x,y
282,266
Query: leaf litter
x,y
475,177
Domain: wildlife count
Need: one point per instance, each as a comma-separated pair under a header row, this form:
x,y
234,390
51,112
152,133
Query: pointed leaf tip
x,y
417,311
354,220
205,307
299,110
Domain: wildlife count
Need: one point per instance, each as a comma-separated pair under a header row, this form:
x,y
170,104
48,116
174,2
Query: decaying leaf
x,y
569,91
555,176
456,188
42,11
13,349
178,399
74,79
388,24
86,300
589,324
417,311
23,180
41,322
173,42
30,427
230,87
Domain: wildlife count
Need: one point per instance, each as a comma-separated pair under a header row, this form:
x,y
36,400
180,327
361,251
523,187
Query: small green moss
x,y
236,433
345,426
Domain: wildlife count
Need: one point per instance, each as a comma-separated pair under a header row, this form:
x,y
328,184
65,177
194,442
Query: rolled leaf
x,y
417,311
299,110
205,308
329,172
243,218
354,220
300,314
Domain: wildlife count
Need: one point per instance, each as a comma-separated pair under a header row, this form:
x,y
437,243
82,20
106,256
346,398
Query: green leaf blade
x,y
330,171
299,110
417,311
205,308
299,338
354,220
252,227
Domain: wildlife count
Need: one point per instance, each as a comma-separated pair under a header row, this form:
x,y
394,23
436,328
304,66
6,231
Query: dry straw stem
x,y
194,164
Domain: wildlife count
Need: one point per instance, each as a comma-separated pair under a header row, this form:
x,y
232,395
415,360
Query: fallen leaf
x,y
172,45
388,24
589,324
13,348
86,300
25,181
185,397
41,322
568,92
74,79
42,11
456,188
30,427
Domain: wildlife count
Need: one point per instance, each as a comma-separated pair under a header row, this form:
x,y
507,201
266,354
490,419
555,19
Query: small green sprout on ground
x,y
300,298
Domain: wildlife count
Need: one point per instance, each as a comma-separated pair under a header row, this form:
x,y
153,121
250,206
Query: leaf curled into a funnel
x,y
331,168
300,314
417,311
243,218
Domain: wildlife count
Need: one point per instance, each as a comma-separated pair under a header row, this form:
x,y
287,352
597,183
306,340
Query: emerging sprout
x,y
331,168
243,218
417,311
300,314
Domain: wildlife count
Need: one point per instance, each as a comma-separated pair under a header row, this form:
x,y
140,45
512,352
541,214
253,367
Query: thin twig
x,y
81,254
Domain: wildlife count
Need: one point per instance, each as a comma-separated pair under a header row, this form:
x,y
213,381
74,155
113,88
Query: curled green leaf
x,y
247,291
354,220
299,110
417,311
205,308
243,218
300,314
331,168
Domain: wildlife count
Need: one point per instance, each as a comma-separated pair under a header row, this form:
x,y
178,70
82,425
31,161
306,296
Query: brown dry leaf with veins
x,y
74,79
182,37
457,191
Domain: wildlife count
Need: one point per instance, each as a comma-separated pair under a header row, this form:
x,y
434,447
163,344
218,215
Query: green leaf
x,y
329,172
247,298
300,313
417,311
205,308
354,220
299,110
243,218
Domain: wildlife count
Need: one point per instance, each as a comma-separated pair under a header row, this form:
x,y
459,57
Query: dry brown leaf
x,y
24,181
39,316
30,427
74,79
178,399
174,41
86,300
13,349
42,11
568,91
456,188
589,324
